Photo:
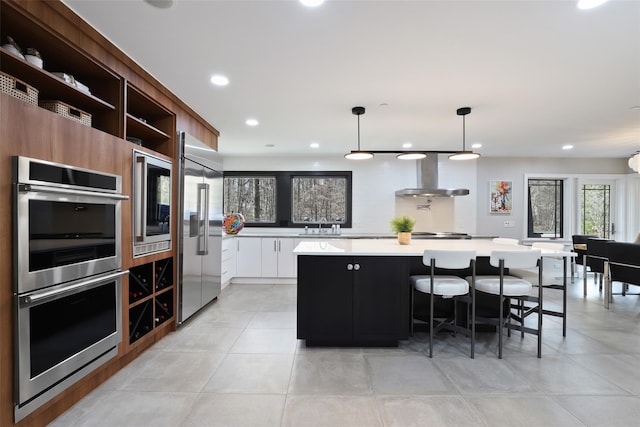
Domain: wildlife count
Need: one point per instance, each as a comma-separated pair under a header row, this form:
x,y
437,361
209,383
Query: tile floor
x,y
238,363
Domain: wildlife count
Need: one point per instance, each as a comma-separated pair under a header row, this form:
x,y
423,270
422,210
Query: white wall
x,y
375,182
515,169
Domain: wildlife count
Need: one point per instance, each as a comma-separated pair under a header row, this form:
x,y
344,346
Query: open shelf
x,y
105,100
148,122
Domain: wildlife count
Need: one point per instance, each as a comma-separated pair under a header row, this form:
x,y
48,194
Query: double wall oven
x,y
67,277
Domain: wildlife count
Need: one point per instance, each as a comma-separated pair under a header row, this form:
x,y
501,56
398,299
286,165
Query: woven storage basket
x,y
66,110
14,87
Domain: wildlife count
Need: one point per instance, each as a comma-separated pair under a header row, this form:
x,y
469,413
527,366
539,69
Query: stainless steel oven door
x,y
64,234
63,329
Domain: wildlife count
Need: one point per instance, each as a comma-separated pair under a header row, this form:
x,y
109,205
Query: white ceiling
x,y
537,74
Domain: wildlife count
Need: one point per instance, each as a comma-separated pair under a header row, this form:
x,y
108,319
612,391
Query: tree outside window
x,y
545,200
289,199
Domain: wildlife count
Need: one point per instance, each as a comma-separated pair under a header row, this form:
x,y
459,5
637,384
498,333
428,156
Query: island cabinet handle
x,y
349,267
356,267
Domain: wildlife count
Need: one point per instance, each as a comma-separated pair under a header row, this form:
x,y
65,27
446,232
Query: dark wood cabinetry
x,y
124,101
352,300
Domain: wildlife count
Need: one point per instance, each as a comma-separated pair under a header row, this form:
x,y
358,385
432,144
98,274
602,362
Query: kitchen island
x,y
356,292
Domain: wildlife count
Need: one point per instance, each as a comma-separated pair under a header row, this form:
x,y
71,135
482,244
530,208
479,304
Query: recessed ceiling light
x,y
636,108
590,4
219,80
407,145
269,145
314,145
252,122
567,147
476,145
312,3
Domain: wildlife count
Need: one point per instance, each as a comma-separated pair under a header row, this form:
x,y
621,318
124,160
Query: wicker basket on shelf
x,y
66,110
17,88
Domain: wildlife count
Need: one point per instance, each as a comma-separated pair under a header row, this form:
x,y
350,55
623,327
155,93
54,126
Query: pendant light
x,y
634,162
358,155
411,156
464,155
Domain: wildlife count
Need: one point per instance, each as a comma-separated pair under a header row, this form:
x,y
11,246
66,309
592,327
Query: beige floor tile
x,y
252,373
421,411
331,411
331,372
237,410
532,411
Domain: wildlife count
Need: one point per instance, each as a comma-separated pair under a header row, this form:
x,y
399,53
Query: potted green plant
x,y
403,225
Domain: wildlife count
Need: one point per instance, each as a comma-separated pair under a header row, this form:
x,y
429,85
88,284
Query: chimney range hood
x,y
427,171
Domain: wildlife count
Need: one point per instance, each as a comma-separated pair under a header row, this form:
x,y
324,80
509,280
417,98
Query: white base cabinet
x,y
277,257
264,258
228,270
248,257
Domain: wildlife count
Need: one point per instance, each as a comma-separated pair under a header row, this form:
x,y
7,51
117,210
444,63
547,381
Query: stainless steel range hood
x,y
427,172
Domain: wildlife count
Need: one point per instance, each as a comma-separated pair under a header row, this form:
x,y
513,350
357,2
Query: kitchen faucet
x,y
323,219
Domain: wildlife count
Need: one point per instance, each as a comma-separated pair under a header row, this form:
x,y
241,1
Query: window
x,y
319,199
253,196
595,209
289,199
545,205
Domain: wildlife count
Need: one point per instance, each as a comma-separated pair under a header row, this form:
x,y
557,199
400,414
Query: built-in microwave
x,y
151,204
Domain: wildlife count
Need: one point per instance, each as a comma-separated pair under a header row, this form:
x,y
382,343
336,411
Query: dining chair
x,y
595,259
622,265
447,286
549,281
580,247
508,288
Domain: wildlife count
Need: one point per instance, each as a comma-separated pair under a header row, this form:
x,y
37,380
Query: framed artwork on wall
x,y
500,197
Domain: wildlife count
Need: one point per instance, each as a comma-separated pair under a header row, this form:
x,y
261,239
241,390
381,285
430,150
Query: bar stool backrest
x,y
516,259
449,259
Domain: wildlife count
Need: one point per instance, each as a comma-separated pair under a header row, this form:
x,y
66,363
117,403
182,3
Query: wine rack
x,y
163,274
140,321
151,297
164,307
140,282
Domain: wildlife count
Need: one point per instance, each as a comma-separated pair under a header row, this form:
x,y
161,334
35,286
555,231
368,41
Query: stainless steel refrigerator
x,y
200,231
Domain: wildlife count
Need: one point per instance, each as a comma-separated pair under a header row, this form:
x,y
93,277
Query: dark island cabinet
x,y
346,300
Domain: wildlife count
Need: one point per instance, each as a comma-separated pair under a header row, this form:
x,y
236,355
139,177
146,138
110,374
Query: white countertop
x,y
391,247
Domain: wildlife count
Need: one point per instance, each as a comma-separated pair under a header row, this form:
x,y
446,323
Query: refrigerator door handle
x,y
201,220
206,220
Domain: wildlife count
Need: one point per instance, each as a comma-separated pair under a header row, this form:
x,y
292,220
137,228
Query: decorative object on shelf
x,y
12,46
500,197
17,88
359,154
233,223
69,79
66,110
464,155
403,225
634,162
33,56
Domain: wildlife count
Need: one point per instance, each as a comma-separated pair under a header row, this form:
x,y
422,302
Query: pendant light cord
x,y
463,132
358,132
